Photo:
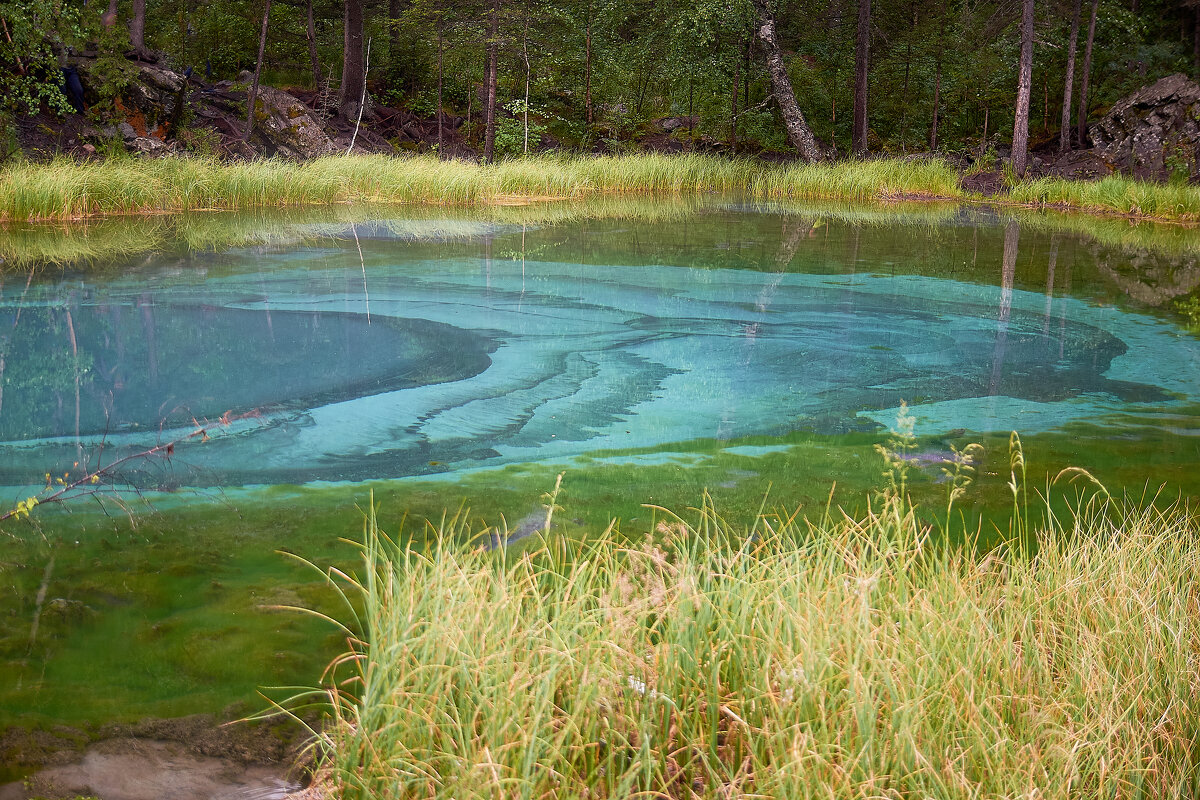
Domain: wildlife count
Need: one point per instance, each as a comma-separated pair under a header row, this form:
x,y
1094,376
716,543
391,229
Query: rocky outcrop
x,y
1154,133
155,104
283,126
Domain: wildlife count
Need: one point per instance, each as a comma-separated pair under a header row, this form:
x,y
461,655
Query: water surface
x,y
652,349
391,348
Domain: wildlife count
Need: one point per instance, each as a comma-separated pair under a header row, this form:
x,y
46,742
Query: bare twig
x,y
91,482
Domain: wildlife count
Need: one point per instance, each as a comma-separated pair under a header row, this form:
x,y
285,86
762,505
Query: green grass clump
x,y
844,658
69,190
1114,194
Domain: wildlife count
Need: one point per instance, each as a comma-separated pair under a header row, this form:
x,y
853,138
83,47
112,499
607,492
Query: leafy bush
x,y
35,31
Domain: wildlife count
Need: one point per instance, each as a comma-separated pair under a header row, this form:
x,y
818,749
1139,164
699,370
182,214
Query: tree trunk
x,y
109,17
1020,143
748,48
137,28
441,111
525,110
393,29
733,105
354,73
1087,76
311,32
793,119
862,50
1196,43
937,96
587,68
1064,136
262,48
493,56
904,95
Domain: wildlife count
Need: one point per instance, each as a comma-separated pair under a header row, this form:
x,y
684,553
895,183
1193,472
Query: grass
x,y
1114,194
69,190
846,657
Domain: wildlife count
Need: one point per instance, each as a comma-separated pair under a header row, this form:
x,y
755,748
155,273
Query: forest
x,y
615,76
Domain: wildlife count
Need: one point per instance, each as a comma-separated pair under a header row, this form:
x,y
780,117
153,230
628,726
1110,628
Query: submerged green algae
x,y
169,612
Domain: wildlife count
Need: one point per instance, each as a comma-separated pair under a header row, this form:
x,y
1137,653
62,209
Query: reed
x,y
70,190
784,659
66,189
1114,194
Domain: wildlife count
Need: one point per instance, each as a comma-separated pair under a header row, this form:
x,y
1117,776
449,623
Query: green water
x,y
652,351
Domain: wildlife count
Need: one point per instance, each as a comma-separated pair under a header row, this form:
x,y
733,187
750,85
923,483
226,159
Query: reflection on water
x,y
389,348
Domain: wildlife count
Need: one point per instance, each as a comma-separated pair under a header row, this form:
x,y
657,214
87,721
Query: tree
x,y
253,98
858,140
1020,143
354,65
310,33
1064,136
1085,81
493,57
793,119
137,28
393,28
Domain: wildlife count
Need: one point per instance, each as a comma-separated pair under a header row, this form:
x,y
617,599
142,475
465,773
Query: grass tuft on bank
x,y
1113,194
846,658
70,190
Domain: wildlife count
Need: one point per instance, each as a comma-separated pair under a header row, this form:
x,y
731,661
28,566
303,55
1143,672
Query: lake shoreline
x,y
210,750
72,191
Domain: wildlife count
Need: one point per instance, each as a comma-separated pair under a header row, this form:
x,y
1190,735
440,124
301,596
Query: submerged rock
x,y
1154,133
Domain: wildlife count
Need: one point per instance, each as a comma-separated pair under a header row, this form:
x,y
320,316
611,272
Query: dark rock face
x,y
1080,165
1154,133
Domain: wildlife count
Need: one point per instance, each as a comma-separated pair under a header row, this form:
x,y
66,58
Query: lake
x,y
455,361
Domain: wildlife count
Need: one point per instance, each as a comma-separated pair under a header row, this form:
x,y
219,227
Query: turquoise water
x,y
387,349
460,360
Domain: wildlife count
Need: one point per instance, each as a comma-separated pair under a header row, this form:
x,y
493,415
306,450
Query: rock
x,y
148,145
127,132
283,126
1154,133
159,86
985,183
1079,165
61,612
668,124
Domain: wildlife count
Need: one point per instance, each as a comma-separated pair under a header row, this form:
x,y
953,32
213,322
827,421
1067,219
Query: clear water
x,y
394,348
657,349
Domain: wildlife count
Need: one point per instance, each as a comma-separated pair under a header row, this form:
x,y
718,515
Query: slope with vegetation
x,y
509,76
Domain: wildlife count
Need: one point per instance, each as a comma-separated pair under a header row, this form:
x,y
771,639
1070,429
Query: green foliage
x,y
203,142
1189,307
510,131
34,33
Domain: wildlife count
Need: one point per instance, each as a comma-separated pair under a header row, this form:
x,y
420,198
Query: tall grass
x,y
850,658
1114,194
67,189
70,190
